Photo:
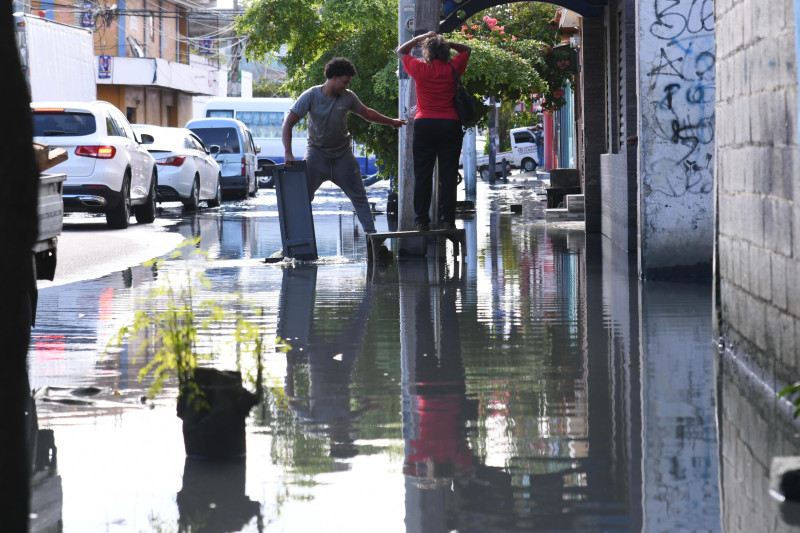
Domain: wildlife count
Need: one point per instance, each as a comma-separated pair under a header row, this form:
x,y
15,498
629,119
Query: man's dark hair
x,y
339,66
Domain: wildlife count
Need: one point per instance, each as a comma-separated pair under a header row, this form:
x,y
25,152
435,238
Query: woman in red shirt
x,y
437,129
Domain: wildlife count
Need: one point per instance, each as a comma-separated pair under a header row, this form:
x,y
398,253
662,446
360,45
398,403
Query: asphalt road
x,y
87,249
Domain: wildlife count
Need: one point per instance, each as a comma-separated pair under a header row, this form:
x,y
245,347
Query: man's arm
x,y
286,135
367,113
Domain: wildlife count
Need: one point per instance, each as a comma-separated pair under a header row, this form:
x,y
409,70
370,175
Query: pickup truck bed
x,y
50,214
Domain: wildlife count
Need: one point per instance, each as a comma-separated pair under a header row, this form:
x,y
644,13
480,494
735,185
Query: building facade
x,y
146,63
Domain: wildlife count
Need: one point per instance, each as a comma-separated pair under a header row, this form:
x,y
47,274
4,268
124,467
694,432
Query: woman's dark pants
x,y
434,137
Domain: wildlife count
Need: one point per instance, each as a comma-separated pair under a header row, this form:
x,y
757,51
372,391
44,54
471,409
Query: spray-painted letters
x,y
679,89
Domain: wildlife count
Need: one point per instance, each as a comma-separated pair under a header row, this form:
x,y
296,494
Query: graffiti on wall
x,y
680,95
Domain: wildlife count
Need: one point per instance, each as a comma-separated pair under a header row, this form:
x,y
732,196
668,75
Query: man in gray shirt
x,y
329,155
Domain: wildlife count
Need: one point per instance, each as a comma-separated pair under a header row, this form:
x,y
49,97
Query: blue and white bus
x,y
264,117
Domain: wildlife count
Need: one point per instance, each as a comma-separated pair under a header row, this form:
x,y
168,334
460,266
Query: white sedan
x,y
108,171
187,172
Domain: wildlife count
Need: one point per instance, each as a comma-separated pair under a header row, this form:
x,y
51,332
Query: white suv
x,y
107,169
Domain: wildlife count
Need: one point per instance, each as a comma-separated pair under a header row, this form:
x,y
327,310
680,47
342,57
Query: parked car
x,y
107,169
187,170
237,153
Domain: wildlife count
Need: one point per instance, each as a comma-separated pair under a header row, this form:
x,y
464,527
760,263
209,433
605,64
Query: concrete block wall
x,y
757,213
676,79
751,432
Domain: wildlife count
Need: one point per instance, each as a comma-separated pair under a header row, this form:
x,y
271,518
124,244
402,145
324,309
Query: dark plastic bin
x,y
294,211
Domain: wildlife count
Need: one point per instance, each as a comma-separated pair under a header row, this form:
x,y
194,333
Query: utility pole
x,y
492,138
425,18
235,74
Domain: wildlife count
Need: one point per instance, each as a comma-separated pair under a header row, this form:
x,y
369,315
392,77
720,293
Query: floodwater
x,y
539,386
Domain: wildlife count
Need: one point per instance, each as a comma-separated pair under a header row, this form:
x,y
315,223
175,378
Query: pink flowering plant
x,y
519,59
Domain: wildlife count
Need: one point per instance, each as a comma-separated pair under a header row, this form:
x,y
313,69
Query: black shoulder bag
x,y
464,102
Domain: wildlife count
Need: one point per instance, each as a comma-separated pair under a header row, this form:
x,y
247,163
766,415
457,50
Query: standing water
x,y
539,386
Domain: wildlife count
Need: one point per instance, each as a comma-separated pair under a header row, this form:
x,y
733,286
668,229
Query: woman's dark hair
x,y
339,66
435,48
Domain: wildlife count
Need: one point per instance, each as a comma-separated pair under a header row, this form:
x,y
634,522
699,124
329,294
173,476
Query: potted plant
x,y
212,403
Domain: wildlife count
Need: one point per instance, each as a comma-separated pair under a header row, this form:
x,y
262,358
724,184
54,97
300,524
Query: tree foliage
x,y
509,57
266,88
313,32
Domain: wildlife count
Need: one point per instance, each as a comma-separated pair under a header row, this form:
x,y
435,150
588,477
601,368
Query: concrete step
x,y
574,203
561,213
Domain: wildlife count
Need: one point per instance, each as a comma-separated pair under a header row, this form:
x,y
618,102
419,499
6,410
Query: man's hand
x,y
371,115
288,157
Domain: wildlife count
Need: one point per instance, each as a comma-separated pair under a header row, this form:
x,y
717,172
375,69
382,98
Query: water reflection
x,y
328,355
434,399
543,388
46,494
213,500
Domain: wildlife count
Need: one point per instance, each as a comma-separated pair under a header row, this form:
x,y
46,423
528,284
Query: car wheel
x,y
119,217
485,174
528,165
214,202
146,213
191,203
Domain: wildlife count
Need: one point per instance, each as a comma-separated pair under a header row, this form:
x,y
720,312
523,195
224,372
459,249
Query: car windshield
x,y
225,138
63,123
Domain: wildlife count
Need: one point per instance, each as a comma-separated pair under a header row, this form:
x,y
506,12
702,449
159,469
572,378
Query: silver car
x,y
187,171
108,171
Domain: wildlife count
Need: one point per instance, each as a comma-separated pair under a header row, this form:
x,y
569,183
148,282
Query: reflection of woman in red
x,y
437,448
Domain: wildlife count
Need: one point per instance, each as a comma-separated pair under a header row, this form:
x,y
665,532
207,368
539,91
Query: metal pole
x,y
469,162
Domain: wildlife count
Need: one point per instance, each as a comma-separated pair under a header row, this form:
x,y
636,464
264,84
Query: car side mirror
x,y
146,139
213,149
258,148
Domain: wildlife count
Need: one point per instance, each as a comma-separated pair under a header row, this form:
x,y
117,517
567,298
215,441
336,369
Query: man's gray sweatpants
x,y
346,174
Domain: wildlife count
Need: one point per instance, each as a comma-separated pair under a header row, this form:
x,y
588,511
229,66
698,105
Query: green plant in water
x,y
173,323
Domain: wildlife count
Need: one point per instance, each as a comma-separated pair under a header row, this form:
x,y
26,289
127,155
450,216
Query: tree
x,y
319,31
266,88
510,66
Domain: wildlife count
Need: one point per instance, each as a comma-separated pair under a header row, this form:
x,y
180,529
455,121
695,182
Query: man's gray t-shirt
x,y
327,123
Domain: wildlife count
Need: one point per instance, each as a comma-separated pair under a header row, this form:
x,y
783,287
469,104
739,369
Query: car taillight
x,y
244,166
100,152
172,161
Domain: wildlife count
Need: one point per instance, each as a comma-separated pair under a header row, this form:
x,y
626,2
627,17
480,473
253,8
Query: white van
x,y
236,156
264,118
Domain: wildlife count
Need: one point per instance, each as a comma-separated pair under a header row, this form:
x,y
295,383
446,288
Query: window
x,y
250,144
123,125
115,129
225,138
198,144
219,113
52,124
262,123
523,137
